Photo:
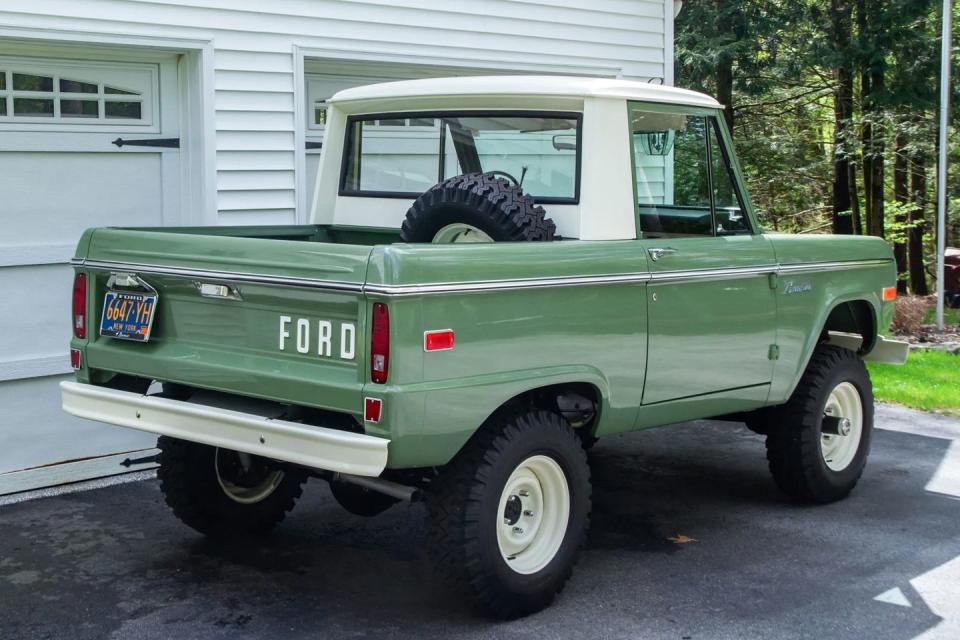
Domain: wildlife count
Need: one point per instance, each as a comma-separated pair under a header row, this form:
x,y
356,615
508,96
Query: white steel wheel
x,y
533,514
460,232
243,477
839,449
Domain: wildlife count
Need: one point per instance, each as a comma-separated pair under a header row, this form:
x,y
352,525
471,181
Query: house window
x,y
75,94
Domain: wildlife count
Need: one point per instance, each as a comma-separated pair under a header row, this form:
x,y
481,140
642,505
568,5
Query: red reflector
x,y
372,409
80,305
441,340
75,358
380,343
889,293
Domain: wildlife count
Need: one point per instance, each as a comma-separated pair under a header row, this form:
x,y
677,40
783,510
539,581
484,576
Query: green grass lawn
x,y
930,381
950,316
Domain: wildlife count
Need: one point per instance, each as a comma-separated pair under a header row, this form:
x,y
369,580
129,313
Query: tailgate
x,y
274,319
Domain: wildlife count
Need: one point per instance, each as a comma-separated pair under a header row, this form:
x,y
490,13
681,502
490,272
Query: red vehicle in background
x,y
951,278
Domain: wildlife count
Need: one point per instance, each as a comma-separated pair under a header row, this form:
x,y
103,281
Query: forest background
x,y
833,106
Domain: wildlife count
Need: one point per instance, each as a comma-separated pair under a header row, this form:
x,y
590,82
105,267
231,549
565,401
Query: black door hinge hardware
x,y
169,143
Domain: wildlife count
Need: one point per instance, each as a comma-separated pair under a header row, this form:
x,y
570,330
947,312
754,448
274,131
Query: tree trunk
x,y
901,193
866,129
878,149
724,69
855,203
918,192
872,84
843,222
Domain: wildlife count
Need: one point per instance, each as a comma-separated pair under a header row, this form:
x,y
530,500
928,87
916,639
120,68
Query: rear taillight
x,y
380,343
80,305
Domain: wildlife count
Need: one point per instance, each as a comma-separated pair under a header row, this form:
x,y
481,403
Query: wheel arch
x,y
856,314
562,397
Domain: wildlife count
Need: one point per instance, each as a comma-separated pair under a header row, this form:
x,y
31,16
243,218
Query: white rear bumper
x,y
316,447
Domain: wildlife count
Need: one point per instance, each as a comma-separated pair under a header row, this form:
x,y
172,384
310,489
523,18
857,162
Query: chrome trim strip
x,y
832,266
227,276
700,274
476,286
498,285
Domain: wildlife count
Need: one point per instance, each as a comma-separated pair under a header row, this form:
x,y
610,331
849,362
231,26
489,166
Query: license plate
x,y
127,315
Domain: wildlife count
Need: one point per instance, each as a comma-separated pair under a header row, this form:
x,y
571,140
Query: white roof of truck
x,y
553,86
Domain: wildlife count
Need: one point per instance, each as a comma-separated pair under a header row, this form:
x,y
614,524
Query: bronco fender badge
x,y
790,287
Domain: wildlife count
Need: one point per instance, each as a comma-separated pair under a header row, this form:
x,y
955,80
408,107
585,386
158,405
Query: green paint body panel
x,y
656,348
700,349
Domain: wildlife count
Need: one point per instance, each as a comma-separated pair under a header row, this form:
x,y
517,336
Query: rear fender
x,y
453,410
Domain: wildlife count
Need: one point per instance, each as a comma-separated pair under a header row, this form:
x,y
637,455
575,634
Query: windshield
x,y
403,155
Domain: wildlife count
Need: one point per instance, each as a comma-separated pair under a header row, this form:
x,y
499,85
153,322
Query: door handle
x,y
659,252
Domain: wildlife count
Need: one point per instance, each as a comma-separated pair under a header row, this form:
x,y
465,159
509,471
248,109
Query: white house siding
x,y
254,62
244,111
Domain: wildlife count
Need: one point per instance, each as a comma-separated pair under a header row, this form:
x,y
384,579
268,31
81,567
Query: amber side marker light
x,y
889,293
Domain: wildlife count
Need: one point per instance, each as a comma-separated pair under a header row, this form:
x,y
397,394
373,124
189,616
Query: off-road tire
x,y
463,506
189,483
762,421
794,446
360,501
490,203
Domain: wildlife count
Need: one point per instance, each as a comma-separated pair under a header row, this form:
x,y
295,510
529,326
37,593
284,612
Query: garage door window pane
x,y
75,86
79,108
33,107
3,80
3,106
28,82
119,92
128,110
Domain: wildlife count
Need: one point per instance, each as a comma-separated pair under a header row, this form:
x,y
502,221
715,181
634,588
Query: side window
x,y
730,215
673,174
684,184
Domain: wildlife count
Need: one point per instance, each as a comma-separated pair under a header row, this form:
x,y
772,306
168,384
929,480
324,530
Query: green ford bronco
x,y
497,272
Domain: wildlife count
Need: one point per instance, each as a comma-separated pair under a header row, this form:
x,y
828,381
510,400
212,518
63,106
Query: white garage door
x,y
81,144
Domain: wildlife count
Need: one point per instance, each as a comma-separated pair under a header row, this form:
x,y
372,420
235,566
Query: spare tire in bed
x,y
476,207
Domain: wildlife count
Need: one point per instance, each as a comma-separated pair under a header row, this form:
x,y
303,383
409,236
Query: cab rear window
x,y
403,155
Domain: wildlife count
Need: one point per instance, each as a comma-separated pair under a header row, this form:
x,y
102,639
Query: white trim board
x,y
40,367
74,471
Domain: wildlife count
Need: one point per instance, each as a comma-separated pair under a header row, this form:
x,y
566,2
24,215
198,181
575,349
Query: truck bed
x,y
314,276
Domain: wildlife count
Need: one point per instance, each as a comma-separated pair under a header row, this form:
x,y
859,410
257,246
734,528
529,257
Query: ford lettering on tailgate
x,y
317,336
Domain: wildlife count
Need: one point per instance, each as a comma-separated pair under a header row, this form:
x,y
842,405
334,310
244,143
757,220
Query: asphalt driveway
x,y
743,562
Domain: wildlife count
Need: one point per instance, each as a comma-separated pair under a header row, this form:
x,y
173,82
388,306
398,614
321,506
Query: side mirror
x,y
565,142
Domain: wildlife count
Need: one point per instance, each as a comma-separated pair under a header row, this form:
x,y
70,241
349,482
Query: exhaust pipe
x,y
387,487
